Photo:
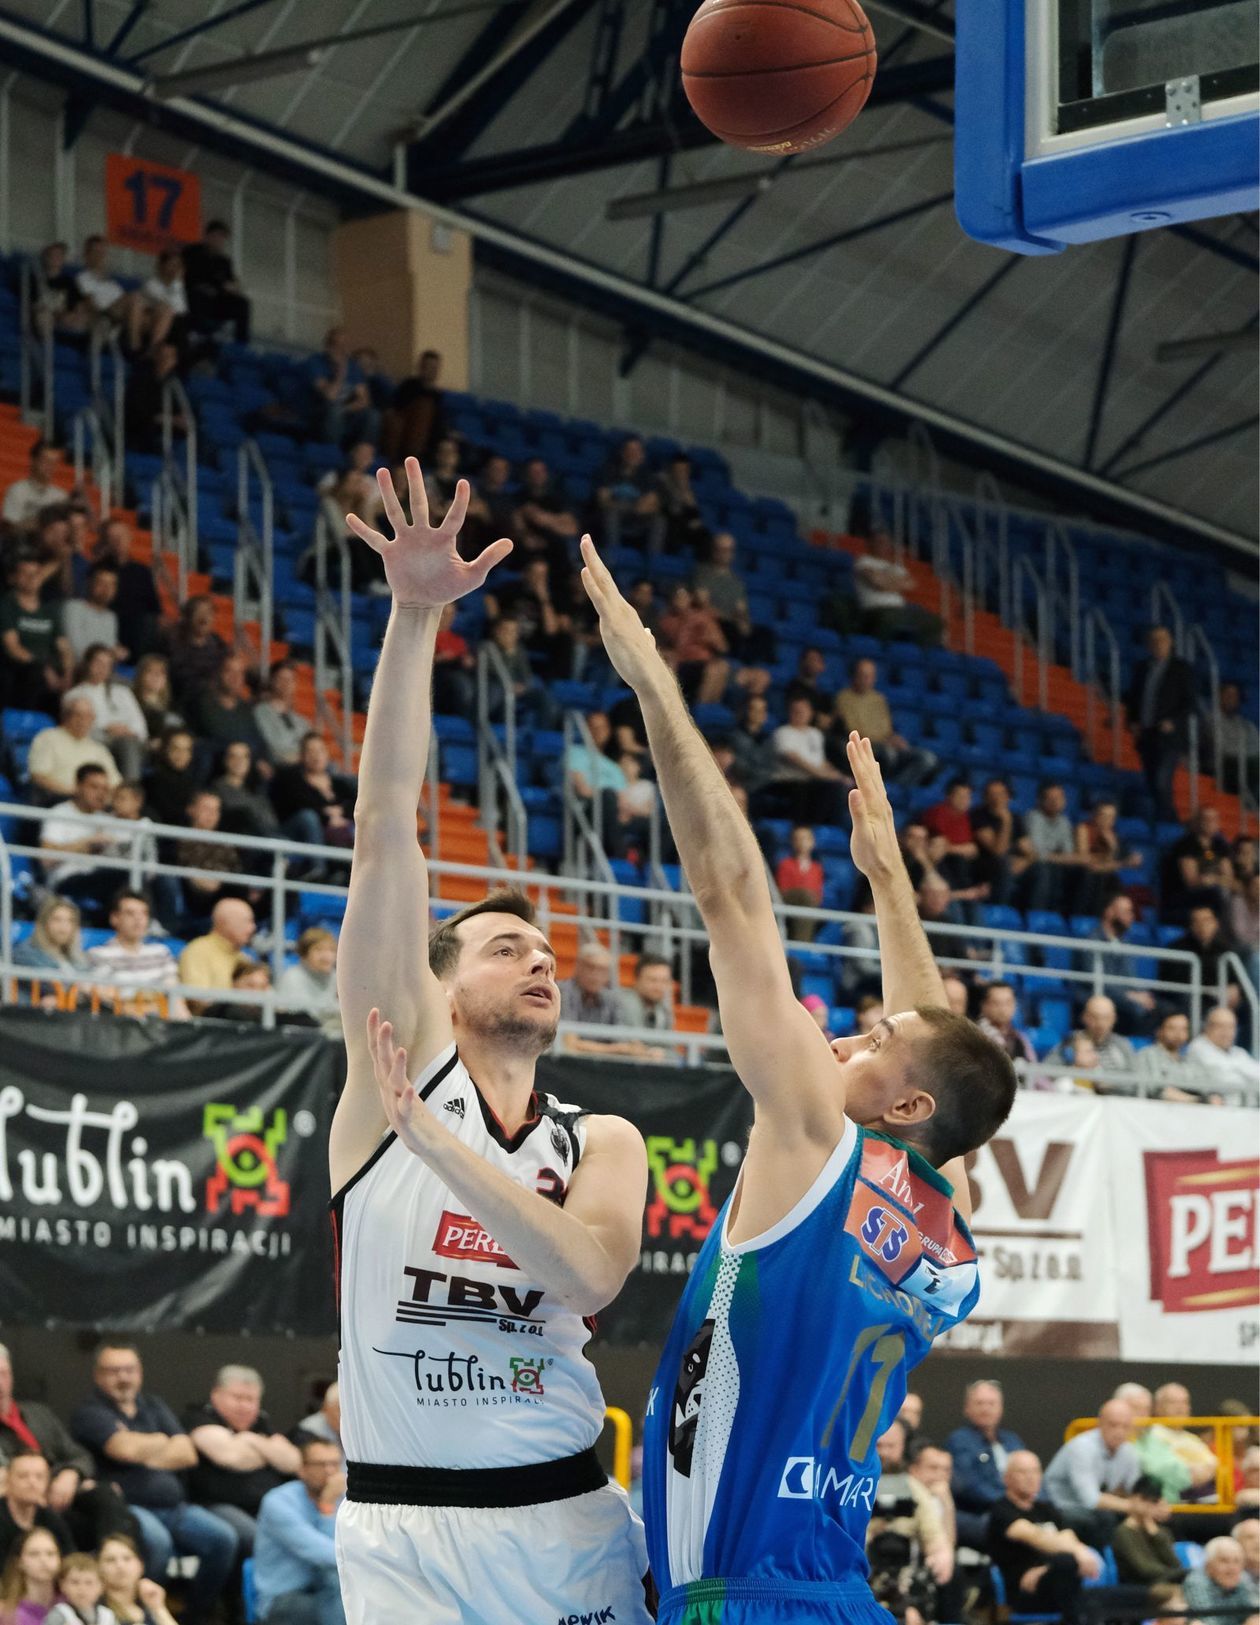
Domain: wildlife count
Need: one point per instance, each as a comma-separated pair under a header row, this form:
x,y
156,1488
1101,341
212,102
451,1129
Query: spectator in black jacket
x,y
92,1510
240,1455
24,1505
314,803
136,602
1209,944
1160,703
980,1450
144,404
214,295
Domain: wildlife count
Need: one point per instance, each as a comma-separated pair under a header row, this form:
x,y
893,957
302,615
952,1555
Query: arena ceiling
x,y
535,115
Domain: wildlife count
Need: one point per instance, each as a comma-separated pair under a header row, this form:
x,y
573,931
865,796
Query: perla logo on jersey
x,y
803,1479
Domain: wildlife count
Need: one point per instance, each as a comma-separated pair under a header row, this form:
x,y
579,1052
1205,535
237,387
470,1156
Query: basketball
x,y
776,76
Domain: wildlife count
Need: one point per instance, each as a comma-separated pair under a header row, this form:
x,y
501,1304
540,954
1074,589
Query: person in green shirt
x,y
36,663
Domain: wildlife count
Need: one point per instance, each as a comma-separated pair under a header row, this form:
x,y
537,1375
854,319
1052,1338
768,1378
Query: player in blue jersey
x,y
843,1250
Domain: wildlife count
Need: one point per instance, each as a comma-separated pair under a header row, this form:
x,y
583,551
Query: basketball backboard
x,y
1079,119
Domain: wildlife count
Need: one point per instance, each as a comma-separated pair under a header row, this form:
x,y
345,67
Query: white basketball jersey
x,y
451,1356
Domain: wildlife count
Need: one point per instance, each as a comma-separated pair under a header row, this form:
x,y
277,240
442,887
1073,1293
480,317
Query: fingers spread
x,y
417,495
393,508
458,508
365,533
492,555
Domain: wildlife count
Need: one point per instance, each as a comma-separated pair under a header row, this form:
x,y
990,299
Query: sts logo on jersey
x,y
884,1234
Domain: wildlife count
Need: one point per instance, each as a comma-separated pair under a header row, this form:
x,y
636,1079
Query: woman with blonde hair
x,y
132,1599
55,946
151,686
28,1586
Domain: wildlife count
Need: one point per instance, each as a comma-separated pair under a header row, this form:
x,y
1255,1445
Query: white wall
x,y
282,235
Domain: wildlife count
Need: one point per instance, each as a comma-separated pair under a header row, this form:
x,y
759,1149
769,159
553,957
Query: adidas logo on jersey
x,y
456,1106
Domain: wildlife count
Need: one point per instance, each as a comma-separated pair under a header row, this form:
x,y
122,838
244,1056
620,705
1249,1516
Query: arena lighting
x,y
242,70
635,204
1244,338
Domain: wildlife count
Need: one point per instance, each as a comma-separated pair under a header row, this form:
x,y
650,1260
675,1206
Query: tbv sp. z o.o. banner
x,y
167,1176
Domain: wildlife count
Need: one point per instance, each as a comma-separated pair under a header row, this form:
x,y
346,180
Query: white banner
x,y
1116,1229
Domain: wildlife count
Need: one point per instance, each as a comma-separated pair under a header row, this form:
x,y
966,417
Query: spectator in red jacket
x,y
799,877
953,848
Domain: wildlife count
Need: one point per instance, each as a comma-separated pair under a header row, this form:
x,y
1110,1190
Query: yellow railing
x,y
623,1443
1223,1428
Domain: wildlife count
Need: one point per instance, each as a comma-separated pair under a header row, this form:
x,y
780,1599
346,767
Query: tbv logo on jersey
x,y
437,1299
803,1479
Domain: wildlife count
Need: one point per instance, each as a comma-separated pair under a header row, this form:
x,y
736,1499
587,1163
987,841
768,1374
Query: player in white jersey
x,y
478,1225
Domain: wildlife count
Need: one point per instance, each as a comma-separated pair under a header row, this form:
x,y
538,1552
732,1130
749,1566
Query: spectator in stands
x,y
636,802
82,544
117,720
54,553
133,1599
1136,1009
1002,839
1247,1534
1222,1587
58,303
867,1014
1054,879
416,419
81,1588
533,703
588,997
244,806
935,900
495,493
58,755
1160,703
54,945
693,642
544,631
68,831
224,713
1209,944
174,777
145,406
380,386
311,984
24,1505
251,976
756,756
980,1450
997,1021
1104,858
1165,1063
165,297
628,502
281,728
314,803
136,602
139,1445
899,1541
109,300
543,522
799,876
1041,1558
36,656
1248,1492
881,584
594,775
454,670
295,1564
1181,1464
649,1001
1144,1549
1197,868
952,846
25,499
325,1423
204,816
341,407
685,529
214,295
727,595
28,1584
240,1455
1238,741
1114,1054
815,790
1090,1477
1217,1053
210,960
1244,921
861,706
957,993
807,683
132,960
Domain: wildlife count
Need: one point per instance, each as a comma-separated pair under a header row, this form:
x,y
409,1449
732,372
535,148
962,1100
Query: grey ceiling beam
x,y
1212,438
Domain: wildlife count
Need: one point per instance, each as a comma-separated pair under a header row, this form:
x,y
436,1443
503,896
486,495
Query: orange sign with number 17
x,y
150,206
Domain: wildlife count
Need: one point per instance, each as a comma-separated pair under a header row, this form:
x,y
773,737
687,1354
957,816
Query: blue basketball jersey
x,y
788,1358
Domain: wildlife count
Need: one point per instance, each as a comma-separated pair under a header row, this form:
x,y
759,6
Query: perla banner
x,y
157,1175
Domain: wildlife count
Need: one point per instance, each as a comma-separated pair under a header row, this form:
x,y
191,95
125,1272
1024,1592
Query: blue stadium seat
x,y
20,727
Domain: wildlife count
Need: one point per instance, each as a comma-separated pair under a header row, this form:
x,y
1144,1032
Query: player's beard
x,y
510,1029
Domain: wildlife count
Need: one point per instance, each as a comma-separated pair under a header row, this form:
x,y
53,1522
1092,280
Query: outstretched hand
x,y
873,845
421,564
628,643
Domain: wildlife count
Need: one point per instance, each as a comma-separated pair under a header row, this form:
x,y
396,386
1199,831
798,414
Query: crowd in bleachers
x,y
782,647
963,1513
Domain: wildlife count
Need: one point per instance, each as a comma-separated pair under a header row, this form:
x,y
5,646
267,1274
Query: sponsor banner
x,y
695,1126
164,1176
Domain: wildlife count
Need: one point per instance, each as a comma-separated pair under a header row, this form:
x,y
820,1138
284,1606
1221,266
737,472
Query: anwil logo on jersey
x,y
688,1397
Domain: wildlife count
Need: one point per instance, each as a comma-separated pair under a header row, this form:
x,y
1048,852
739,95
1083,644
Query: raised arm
x,y
781,1057
383,955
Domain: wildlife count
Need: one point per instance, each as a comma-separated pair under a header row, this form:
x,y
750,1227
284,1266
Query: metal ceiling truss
x,y
1115,322
947,329
1212,438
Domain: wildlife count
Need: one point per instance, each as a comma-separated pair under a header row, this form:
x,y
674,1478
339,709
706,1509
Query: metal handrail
x,y
1232,962
1019,625
990,501
1096,623
585,851
254,564
334,627
1197,641
35,349
1058,540
110,404
88,434
886,476
1162,596
496,760
174,500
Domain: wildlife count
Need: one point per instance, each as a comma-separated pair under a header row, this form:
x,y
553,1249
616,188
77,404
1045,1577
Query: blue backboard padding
x,y
1183,174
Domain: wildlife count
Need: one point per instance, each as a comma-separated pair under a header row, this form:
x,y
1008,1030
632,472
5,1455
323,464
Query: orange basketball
x,y
778,75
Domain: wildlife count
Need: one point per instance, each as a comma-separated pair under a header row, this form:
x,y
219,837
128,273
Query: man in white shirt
x,y
1215,1052
880,583
816,790
59,755
73,843
131,961
107,296
165,299
25,498
90,620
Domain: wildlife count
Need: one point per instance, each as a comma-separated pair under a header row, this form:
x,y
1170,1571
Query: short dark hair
x,y
444,943
91,241
971,1080
1048,784
920,1448
218,225
857,661
87,770
958,782
996,987
129,894
310,1443
647,961
1147,1489
102,567
123,1344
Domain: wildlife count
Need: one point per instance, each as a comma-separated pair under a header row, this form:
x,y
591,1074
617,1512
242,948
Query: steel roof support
x,y
1184,450
957,319
1108,359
